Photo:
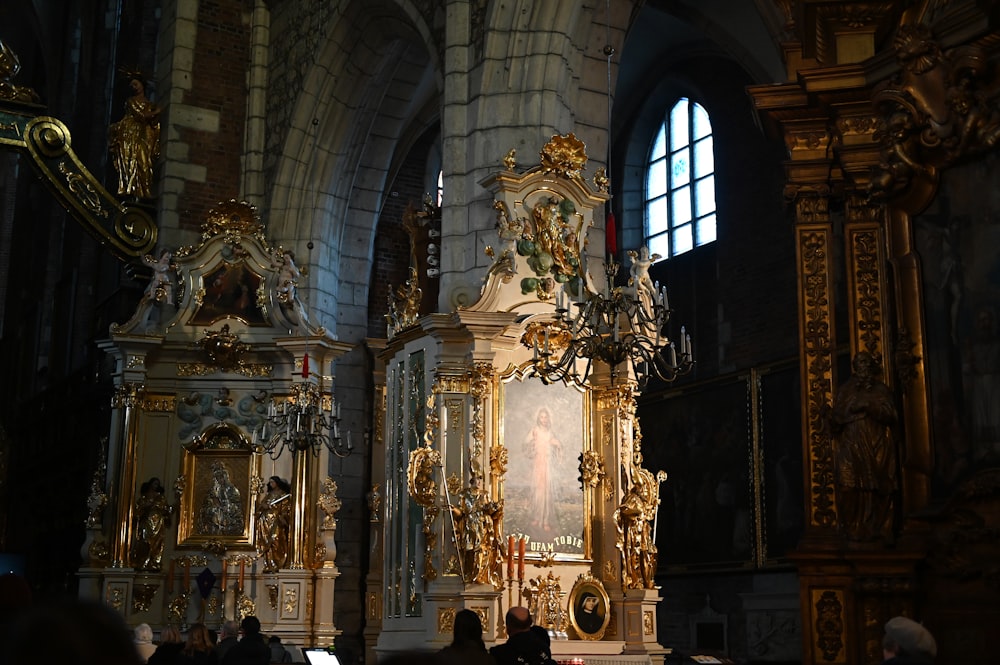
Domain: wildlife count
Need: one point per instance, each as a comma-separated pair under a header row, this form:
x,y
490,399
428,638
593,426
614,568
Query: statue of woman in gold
x,y
135,143
152,518
274,517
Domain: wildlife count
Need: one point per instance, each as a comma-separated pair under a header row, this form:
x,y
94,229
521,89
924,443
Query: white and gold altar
x,y
495,487
210,526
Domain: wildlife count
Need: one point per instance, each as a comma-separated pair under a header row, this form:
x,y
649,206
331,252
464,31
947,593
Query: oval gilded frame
x,y
589,625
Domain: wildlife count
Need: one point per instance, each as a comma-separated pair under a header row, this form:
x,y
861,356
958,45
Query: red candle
x,y
520,560
305,366
510,557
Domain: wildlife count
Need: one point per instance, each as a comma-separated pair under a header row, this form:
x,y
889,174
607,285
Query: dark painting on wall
x,y
957,239
780,440
701,438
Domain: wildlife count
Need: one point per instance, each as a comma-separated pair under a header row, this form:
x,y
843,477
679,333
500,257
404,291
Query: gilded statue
x,y
135,143
221,511
478,534
274,518
864,453
153,515
635,537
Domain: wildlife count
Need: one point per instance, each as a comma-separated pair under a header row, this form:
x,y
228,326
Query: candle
x,y
305,366
222,577
242,563
510,557
520,560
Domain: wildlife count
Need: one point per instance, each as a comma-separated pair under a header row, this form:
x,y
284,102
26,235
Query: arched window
x,y
680,182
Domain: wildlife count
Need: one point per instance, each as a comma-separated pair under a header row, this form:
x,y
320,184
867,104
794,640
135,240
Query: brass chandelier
x,y
308,420
622,328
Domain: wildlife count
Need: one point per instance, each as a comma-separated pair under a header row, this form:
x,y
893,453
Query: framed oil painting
x,y
220,470
588,608
230,290
545,429
702,438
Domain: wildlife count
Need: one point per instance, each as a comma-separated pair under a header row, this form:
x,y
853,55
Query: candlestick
x,y
510,557
520,560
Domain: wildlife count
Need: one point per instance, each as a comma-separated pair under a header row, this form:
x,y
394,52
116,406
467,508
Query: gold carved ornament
x,y
422,487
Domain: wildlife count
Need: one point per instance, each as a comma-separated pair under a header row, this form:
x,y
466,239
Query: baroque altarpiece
x,y
198,522
494,488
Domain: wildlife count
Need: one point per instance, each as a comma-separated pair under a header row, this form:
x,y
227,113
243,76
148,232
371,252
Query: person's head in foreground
x,y
907,641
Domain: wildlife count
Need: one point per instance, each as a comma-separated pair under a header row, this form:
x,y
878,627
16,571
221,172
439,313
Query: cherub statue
x,y
160,288
286,291
640,280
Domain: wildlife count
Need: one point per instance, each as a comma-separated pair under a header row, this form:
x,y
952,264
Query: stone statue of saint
x,y
864,453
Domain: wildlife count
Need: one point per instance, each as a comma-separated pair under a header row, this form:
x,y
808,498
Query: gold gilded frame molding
x,y
587,628
221,474
569,409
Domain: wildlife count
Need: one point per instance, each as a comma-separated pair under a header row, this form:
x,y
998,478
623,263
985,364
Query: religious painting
x,y
218,496
780,438
230,290
545,430
956,238
588,608
701,438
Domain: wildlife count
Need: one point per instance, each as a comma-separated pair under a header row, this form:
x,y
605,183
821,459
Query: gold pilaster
x,y
814,236
127,399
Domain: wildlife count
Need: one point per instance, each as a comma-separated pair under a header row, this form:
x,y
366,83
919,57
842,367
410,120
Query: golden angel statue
x,y
274,518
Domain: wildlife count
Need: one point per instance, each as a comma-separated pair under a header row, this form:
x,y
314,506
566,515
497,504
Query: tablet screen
x,y
320,656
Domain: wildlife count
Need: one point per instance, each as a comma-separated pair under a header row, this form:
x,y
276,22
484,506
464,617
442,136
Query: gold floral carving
x,y
159,403
510,161
232,220
128,395
647,623
483,613
610,572
374,606
81,188
564,155
116,596
272,596
223,349
498,461
291,599
97,499
374,503
446,620
245,607
817,345
554,335
592,468
865,270
329,503
177,609
142,596
828,606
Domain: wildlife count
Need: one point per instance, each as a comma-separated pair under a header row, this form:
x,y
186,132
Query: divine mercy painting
x,y
544,430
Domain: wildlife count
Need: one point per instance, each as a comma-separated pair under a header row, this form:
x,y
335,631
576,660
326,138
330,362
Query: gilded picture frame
x,y
589,608
220,471
545,429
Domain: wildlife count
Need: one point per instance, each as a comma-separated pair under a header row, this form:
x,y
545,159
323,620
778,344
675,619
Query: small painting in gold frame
x,y
220,468
589,608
